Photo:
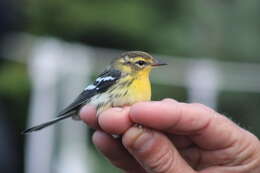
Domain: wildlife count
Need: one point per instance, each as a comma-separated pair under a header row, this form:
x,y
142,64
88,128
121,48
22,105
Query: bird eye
x,y
140,63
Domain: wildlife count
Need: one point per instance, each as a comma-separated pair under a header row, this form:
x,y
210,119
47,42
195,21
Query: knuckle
x,y
204,108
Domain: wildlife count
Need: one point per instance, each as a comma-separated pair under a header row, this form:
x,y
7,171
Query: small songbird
x,y
124,82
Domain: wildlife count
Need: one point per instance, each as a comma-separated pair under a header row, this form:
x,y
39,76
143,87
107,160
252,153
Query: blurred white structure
x,y
59,71
202,87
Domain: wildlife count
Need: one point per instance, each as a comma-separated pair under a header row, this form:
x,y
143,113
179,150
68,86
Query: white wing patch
x,y
100,79
90,87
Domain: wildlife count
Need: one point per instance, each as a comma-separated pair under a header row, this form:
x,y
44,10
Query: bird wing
x,y
101,84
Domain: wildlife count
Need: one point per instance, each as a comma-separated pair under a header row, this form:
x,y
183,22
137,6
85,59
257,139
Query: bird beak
x,y
158,63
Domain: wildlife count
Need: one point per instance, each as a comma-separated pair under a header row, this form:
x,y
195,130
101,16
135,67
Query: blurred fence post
x,y
42,69
75,69
56,69
203,82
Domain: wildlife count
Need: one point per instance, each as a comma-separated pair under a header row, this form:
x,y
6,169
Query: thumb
x,y
154,151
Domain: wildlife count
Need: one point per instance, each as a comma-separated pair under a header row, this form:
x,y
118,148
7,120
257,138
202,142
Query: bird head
x,y
135,62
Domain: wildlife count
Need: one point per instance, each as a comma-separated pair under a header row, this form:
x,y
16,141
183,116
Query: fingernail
x,y
83,110
169,100
118,109
88,106
137,138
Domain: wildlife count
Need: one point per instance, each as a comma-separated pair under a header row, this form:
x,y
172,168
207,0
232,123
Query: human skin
x,y
173,137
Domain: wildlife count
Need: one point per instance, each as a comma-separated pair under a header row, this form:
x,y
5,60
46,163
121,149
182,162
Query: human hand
x,y
175,137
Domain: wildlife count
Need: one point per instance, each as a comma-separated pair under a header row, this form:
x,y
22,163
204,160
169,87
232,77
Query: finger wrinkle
x,y
178,124
245,151
201,124
152,152
172,127
164,162
143,141
202,129
217,128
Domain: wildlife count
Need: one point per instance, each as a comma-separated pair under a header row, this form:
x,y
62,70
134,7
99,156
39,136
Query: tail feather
x,y
46,124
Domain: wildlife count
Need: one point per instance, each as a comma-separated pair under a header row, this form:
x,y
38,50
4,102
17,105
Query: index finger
x,y
203,125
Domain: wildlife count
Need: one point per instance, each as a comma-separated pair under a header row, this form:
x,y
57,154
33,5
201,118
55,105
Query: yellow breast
x,y
138,90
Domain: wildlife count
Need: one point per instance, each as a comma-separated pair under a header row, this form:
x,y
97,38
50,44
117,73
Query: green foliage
x,y
163,91
14,80
221,29
242,108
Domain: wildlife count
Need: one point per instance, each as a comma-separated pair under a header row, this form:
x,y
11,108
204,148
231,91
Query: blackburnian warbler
x,y
124,82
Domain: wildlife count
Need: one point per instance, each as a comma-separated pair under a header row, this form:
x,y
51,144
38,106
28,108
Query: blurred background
x,y
50,49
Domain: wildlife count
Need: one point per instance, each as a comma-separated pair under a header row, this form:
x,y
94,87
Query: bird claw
x,y
138,126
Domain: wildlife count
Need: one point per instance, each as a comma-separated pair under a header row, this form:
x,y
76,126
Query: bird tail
x,y
48,123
